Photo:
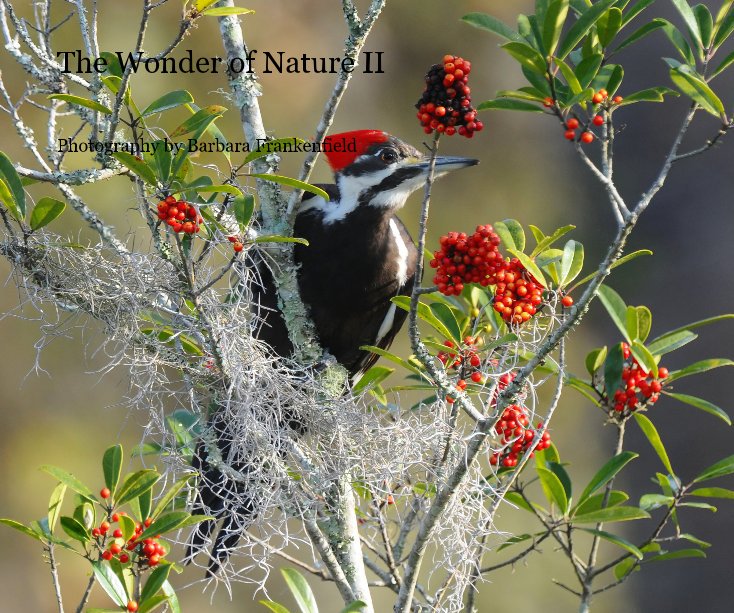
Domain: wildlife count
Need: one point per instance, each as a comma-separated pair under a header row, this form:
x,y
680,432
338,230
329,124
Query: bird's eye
x,y
389,156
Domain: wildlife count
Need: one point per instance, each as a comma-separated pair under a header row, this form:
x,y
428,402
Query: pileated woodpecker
x,y
360,255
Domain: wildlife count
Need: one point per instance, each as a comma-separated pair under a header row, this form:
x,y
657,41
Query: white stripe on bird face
x,y
402,260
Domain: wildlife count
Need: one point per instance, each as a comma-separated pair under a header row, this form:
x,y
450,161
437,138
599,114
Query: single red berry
x,y
147,522
570,135
107,555
124,558
604,93
96,533
476,377
115,549
597,98
548,102
132,606
154,559
572,123
617,99
598,120
663,372
104,526
567,301
233,239
116,516
389,499
238,247
105,492
587,137
117,533
475,360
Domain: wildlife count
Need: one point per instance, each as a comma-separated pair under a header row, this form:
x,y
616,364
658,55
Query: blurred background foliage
x,y
60,410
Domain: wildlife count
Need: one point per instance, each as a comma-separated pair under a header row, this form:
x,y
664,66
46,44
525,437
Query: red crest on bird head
x,y
342,149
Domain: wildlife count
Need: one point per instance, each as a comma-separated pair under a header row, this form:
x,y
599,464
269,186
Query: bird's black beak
x,y
447,163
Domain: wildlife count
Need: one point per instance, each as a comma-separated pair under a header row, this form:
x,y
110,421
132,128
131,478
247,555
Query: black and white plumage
x,y
360,256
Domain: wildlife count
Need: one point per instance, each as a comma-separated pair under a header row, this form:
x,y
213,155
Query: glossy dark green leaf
x,y
679,42
79,101
719,469
170,493
588,68
699,367
145,606
300,589
447,317
135,484
391,356
530,266
527,56
85,514
635,10
653,94
553,489
243,207
610,514
693,86
199,121
546,241
582,26
653,437
641,33
137,166
610,77
616,308
617,540
524,93
595,359
705,23
690,20
516,499
606,474
570,76
671,342
166,523
491,24
295,183
374,376
563,476
702,404
594,503
713,492
608,26
168,101
74,529
572,262
644,357
613,366
639,322
112,466
68,479
508,104
724,29
677,555
725,63
552,25
155,581
110,583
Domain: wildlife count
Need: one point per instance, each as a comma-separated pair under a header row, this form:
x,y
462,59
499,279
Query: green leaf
x,y
696,540
560,472
85,102
167,522
168,101
506,104
644,357
698,324
653,94
152,603
588,68
13,185
572,262
391,356
594,503
619,262
424,313
295,183
516,499
625,567
727,61
546,241
68,479
491,24
699,505
698,367
135,484
127,525
74,529
606,474
226,10
671,342
693,86
613,366
6,198
274,606
702,404
690,19
84,514
137,166
595,359
724,29
202,4
653,437
553,22
199,121
112,465
553,488
524,93
172,598
704,23
110,582
570,76
168,336
300,590
155,581
54,505
719,469
679,42
372,377
170,494
530,266
243,207
616,308
640,33
638,322
608,26
650,502
713,492
11,523
610,514
271,147
677,555
220,189
610,76
447,317
527,56
635,11
617,540
356,606
275,238
582,26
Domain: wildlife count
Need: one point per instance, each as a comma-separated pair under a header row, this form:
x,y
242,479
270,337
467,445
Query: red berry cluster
x,y
182,217
467,259
517,294
445,105
149,551
639,389
518,436
572,124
